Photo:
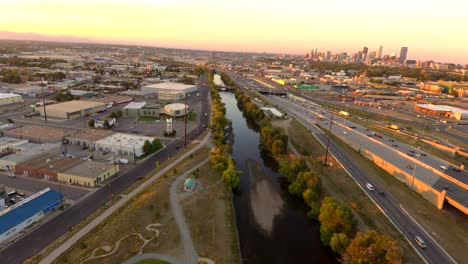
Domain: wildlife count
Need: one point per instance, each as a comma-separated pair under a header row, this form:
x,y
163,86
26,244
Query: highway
x,y
46,233
388,205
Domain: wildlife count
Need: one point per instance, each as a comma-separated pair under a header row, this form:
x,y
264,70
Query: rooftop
x,y
135,105
89,169
113,99
73,106
124,140
446,108
29,150
36,131
170,86
8,95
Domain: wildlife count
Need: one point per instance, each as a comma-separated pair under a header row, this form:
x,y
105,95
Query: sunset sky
x,y
432,29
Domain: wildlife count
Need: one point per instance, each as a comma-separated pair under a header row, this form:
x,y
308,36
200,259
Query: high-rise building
x,y
328,55
379,52
313,53
403,54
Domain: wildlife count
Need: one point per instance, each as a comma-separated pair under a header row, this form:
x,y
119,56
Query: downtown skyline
x,y
246,26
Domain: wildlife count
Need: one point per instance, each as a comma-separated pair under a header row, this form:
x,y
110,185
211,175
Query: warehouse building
x,y
72,109
124,144
88,137
443,110
137,109
10,98
46,166
169,90
16,218
10,145
25,152
88,173
38,134
176,110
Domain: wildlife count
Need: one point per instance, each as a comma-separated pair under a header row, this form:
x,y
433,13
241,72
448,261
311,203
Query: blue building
x,y
22,214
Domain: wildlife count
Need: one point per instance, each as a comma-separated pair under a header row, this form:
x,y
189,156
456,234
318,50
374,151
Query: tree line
x,y
337,224
220,155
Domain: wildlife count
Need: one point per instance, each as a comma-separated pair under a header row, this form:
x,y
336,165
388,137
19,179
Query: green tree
x,y
10,121
339,242
334,218
157,144
147,147
231,175
372,247
106,124
91,123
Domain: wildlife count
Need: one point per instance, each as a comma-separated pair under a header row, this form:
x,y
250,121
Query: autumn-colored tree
x,y
231,175
372,247
334,218
339,242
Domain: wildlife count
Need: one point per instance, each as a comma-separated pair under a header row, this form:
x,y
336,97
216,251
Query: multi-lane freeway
x,y
390,206
39,238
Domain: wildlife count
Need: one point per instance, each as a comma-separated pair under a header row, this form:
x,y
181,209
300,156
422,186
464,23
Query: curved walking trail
x,y
84,231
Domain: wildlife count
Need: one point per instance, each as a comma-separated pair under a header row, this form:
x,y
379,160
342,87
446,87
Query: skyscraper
x,y
379,52
403,54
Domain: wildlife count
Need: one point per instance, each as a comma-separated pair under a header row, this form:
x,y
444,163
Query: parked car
x,y
11,175
443,167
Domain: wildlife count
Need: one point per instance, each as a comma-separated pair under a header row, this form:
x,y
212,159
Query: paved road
x,y
389,205
397,156
88,228
30,186
43,235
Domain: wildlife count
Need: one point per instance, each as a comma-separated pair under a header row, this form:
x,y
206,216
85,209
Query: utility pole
x,y
185,121
43,99
328,140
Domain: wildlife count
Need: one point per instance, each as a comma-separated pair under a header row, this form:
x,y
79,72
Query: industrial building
x,y
17,217
88,173
10,98
88,137
169,90
38,133
10,145
443,110
137,109
72,109
46,166
176,109
124,144
25,152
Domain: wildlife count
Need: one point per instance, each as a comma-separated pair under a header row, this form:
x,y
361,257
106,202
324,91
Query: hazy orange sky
x,y
432,29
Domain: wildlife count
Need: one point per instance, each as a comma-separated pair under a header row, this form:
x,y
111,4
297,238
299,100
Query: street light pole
x,y
328,140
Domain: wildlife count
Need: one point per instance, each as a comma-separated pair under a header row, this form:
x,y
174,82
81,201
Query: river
x,y
272,225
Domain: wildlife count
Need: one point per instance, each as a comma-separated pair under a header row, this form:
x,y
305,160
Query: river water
x,y
272,225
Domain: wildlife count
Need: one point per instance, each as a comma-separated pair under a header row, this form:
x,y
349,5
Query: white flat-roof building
x,y
10,98
123,144
176,109
169,90
25,152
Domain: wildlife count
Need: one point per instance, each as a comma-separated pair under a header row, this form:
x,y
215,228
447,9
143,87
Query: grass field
x,y
210,215
337,183
148,207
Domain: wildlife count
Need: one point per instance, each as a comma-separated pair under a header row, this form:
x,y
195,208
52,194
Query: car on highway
x,y
352,127
438,130
369,135
412,151
409,167
423,154
420,242
346,133
456,169
395,145
410,154
443,167
369,187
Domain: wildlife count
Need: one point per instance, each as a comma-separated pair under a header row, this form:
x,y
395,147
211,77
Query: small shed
x,y
189,184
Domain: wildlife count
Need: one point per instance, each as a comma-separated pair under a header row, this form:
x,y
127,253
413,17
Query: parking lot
x,y
30,186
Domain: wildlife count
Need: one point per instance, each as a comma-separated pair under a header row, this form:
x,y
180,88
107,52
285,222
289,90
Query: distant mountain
x,y
4,34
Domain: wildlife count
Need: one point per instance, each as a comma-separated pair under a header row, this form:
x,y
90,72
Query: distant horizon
x,y
253,26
